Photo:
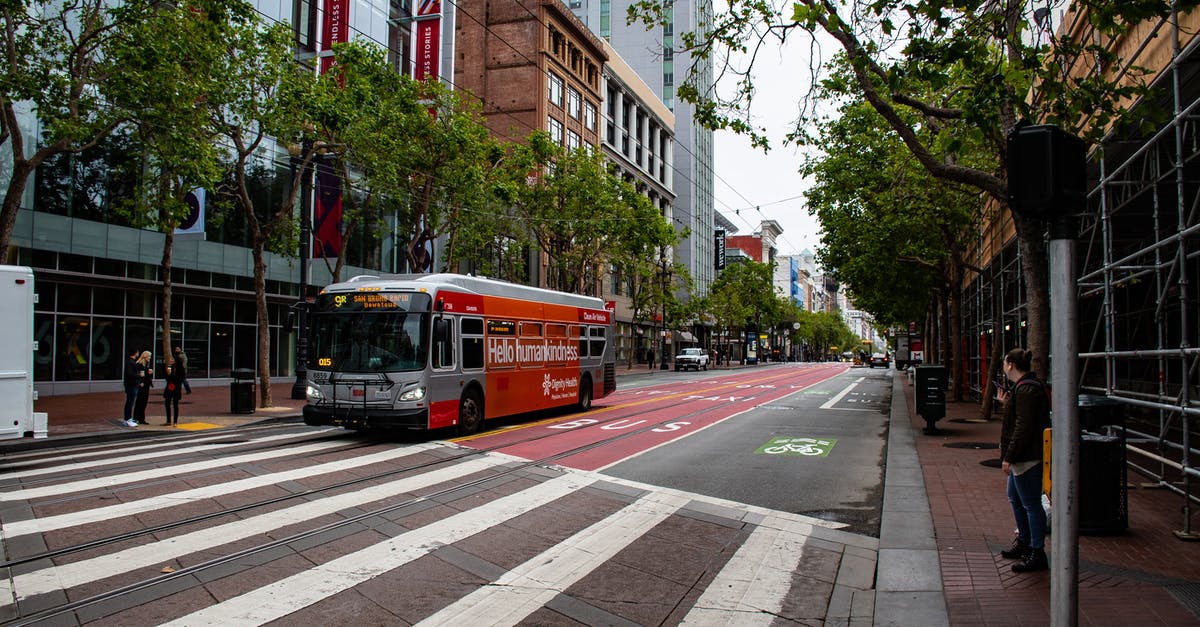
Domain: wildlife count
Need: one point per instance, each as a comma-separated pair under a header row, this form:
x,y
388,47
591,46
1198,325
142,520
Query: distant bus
x,y
445,350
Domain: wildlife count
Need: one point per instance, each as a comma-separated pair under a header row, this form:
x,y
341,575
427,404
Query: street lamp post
x,y
300,387
663,336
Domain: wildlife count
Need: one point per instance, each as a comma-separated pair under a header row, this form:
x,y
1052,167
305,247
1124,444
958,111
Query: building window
x,y
556,89
304,21
574,100
589,116
556,130
573,140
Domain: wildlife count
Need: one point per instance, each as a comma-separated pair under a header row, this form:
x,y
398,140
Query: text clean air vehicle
x,y
427,351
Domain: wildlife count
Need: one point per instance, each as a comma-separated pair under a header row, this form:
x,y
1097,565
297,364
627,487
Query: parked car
x,y
879,359
691,358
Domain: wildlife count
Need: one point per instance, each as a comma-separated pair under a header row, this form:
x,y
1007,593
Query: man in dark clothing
x,y
130,379
181,368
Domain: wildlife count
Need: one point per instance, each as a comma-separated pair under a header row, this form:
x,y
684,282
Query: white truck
x,y
17,417
691,358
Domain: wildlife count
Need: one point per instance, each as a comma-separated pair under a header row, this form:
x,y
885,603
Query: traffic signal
x,y
1047,172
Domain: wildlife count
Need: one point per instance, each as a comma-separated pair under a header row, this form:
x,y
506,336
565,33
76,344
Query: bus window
x,y
472,343
556,330
577,333
443,343
598,340
531,329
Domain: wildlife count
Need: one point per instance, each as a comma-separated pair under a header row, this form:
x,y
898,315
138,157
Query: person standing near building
x,y
145,383
182,369
130,380
172,391
1026,415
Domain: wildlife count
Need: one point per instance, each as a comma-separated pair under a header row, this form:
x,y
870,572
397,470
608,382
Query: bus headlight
x,y
415,394
314,393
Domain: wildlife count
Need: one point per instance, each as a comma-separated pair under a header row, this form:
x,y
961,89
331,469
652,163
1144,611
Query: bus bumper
x,y
360,418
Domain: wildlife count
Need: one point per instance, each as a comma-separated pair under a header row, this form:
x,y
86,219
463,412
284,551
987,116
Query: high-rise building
x,y
651,52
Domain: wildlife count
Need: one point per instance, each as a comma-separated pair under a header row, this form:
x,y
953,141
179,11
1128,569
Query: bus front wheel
x,y
470,414
585,395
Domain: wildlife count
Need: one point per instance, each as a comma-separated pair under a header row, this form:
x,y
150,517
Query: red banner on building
x,y
327,225
428,48
335,29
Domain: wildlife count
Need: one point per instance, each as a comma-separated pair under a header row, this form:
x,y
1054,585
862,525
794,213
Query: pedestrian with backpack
x,y
1026,415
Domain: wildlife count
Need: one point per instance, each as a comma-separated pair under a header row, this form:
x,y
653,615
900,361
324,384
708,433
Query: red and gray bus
x,y
431,351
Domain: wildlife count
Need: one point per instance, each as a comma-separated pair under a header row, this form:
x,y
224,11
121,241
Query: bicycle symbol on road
x,y
810,447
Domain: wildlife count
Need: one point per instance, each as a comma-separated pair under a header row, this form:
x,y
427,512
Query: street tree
x,y
638,254
742,297
895,234
943,68
169,62
569,208
266,104
55,68
419,148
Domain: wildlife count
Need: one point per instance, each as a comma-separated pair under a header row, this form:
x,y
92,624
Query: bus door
x,y
445,386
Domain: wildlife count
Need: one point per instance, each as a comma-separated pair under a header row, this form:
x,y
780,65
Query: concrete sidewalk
x,y
945,518
1145,576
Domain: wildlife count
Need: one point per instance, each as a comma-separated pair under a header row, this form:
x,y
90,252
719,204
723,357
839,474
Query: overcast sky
x,y
746,178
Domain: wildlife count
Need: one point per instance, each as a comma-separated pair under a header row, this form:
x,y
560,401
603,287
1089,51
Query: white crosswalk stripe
x,y
126,478
100,514
87,461
279,599
154,553
535,583
751,588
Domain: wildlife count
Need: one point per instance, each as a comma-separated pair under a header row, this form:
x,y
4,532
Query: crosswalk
x,y
432,535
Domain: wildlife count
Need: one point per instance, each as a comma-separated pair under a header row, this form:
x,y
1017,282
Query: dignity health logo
x,y
551,387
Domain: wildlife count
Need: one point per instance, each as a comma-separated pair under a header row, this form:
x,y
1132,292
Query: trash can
x,y
241,391
931,381
1103,498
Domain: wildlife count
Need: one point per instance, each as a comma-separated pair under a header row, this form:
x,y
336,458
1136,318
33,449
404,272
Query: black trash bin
x,y
931,381
1103,499
241,391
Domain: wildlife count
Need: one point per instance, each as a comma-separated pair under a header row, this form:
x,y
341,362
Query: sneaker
x,y
1034,560
1016,551
130,423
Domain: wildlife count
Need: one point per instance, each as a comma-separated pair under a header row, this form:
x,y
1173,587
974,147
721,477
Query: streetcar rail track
x,y
334,526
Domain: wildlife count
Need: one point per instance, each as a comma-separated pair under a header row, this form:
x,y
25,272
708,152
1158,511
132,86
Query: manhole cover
x,y
974,445
990,463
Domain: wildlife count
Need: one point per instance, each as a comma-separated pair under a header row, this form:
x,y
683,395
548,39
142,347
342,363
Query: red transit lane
x,y
651,416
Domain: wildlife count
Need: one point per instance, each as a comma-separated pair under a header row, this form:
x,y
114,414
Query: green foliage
x,y
888,226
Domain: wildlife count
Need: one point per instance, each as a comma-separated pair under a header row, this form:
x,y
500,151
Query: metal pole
x,y
663,337
300,387
1064,470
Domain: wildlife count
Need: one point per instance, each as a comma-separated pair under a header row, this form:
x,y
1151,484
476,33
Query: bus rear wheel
x,y
585,395
470,414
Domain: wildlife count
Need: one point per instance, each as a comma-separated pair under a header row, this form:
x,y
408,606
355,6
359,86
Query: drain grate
x,y
974,445
1188,595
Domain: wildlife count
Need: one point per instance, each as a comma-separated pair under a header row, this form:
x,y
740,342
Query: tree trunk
x,y
12,203
168,249
264,331
1035,270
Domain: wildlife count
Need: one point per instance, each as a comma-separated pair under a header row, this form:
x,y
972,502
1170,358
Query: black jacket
x,y
131,372
1026,415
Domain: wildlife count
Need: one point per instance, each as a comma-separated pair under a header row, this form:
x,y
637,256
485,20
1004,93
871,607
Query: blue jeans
x,y
1025,494
130,397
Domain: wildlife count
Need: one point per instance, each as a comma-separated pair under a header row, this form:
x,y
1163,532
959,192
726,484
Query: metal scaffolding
x,y
1139,260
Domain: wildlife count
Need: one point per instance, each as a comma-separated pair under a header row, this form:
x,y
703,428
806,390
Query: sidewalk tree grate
x,y
974,445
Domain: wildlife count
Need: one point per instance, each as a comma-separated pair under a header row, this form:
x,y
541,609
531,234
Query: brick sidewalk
x,y
1126,579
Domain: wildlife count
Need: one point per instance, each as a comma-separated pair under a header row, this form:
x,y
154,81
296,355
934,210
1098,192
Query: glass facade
x,y
97,277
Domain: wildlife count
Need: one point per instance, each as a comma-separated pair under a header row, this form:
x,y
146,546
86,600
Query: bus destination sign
x,y
373,301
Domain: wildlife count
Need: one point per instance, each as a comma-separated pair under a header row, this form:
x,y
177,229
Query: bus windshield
x,y
387,341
